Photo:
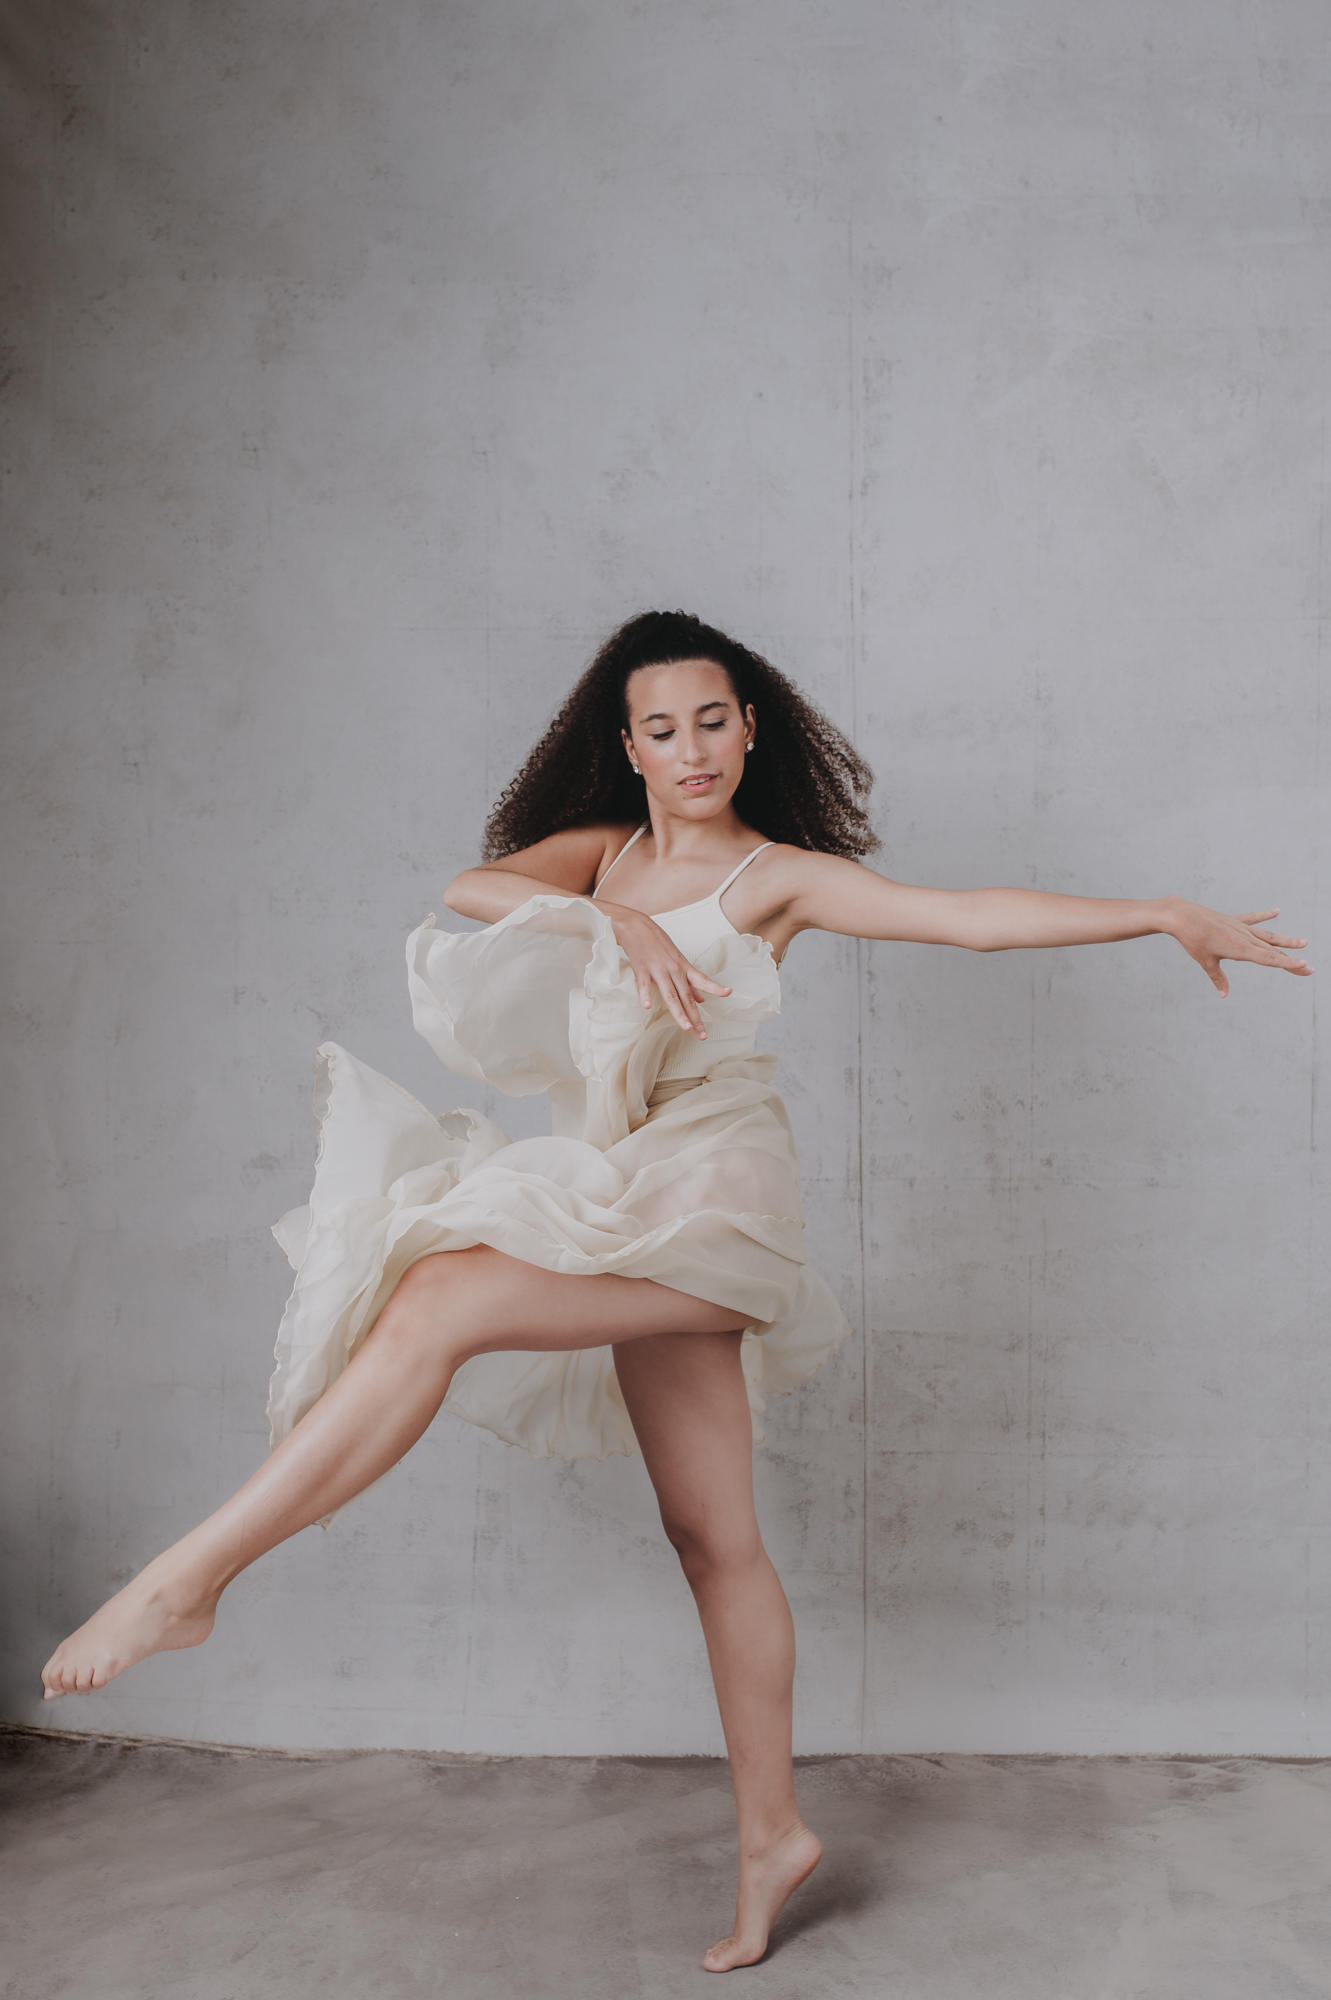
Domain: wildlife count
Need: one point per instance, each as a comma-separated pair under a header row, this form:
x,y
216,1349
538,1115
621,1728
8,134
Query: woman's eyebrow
x,y
664,715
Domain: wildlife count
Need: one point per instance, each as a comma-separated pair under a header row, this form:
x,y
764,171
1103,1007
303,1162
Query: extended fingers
x,y
1260,953
1279,959
678,984
1263,947
684,1007
673,987
1252,948
696,983
678,987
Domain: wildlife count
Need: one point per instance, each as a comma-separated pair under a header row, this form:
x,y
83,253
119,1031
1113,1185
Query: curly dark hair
x,y
803,783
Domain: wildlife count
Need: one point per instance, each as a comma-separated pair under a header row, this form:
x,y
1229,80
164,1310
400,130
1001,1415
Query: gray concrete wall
x,y
971,359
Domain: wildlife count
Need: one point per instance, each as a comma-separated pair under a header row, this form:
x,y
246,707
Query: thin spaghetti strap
x,y
620,856
717,894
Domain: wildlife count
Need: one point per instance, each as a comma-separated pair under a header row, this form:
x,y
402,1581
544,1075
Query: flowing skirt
x,y
692,1181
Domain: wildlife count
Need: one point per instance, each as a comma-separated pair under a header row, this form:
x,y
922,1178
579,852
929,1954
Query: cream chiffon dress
x,y
669,1158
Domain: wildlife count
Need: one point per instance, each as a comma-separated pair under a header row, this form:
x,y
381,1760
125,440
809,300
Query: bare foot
x,y
150,1615
766,1878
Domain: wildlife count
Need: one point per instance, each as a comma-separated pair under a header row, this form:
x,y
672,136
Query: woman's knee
x,y
709,1550
428,1301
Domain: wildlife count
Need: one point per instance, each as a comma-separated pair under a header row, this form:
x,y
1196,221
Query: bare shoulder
x,y
779,878
791,889
794,871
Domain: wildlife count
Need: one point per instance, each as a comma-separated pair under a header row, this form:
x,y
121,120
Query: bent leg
x,y
690,1410
447,1308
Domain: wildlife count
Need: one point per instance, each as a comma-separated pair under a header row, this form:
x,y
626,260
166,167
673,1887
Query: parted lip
x,y
700,777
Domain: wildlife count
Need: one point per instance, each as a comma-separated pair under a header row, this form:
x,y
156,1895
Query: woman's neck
x,y
676,838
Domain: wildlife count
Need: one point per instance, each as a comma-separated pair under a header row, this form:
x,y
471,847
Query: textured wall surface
x,y
969,357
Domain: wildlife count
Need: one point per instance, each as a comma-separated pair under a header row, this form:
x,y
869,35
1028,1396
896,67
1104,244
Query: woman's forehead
x,y
679,684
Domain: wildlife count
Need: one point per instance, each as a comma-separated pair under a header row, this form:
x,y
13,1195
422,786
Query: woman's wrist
x,y
1169,914
623,921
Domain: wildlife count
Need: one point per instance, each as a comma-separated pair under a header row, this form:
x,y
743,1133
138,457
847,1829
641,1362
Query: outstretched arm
x,y
842,896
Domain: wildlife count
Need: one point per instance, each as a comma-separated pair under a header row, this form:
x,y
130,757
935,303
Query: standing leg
x,y
447,1308
685,1393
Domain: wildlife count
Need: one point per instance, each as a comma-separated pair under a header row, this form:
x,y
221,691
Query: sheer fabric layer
x,y
693,1182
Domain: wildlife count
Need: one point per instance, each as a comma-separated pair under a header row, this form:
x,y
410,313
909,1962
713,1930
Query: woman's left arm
x,y
830,894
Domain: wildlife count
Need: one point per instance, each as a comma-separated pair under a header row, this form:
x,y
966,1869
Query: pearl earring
x,y
747,748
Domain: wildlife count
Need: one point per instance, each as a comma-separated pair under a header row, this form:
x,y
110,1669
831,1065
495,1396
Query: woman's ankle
x,y
760,1834
185,1587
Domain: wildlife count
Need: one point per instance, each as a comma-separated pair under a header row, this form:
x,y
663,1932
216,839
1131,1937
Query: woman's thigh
x,y
690,1409
482,1301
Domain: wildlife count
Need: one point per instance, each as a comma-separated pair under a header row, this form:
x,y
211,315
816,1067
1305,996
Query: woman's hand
x,y
656,961
1208,937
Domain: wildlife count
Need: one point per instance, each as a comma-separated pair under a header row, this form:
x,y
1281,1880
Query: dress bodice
x,y
694,928
545,1000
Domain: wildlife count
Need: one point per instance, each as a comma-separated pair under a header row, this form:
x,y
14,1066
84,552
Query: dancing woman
x,y
636,1280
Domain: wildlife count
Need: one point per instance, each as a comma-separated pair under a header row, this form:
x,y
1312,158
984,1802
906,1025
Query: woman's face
x,y
687,735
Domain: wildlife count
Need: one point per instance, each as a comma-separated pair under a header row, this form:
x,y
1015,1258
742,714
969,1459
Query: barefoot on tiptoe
x,y
765,1881
150,1615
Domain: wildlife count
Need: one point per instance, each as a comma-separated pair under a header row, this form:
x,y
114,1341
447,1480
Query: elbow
x,y
455,895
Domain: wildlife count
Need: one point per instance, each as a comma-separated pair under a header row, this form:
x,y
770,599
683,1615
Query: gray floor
x,y
157,1870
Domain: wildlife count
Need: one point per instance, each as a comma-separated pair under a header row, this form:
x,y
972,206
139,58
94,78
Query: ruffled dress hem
x,y
692,1181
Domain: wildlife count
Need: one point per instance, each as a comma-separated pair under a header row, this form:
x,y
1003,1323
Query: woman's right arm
x,y
567,864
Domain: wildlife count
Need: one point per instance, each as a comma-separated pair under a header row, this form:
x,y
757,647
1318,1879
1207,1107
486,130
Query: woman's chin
x,y
702,805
